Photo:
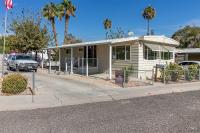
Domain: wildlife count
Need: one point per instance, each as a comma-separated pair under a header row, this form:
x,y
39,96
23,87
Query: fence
x,y
175,76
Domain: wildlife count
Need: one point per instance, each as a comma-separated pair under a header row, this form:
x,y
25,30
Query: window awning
x,y
169,48
155,47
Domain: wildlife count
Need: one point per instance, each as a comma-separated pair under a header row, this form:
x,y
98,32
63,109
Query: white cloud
x,y
193,22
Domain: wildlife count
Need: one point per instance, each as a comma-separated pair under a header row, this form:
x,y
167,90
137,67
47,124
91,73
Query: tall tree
x,y
69,10
189,37
28,35
50,12
149,13
107,26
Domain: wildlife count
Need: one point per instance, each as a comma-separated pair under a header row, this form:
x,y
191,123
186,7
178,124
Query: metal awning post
x,y
42,60
59,69
87,61
110,62
49,61
72,61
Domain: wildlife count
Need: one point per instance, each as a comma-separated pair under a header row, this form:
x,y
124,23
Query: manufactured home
x,y
106,56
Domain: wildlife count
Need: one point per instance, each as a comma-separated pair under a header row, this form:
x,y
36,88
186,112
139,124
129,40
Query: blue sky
x,y
88,23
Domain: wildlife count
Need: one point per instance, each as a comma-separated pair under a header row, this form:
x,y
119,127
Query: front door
x,y
91,52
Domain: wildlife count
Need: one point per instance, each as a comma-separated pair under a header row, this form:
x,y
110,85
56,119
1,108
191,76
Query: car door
x,y
12,62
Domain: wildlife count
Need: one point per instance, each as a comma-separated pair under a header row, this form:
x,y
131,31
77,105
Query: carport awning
x,y
156,47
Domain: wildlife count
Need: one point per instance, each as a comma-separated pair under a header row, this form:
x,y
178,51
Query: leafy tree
x,y
68,9
28,35
107,26
189,37
118,33
8,45
72,39
51,11
149,13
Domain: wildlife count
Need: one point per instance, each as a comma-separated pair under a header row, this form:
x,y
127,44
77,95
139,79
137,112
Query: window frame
x,y
146,53
158,55
114,53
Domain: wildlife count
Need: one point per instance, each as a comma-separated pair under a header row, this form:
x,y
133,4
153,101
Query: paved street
x,y
172,113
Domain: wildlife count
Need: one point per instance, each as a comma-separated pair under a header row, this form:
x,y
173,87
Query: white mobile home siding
x,y
145,66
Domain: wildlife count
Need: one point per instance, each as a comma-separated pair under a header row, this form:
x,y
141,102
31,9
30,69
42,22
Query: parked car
x,y
21,62
188,63
185,64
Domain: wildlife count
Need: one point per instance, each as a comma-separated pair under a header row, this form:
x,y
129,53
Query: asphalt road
x,y
172,113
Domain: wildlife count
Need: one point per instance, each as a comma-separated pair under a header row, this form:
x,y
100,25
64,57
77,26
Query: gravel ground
x,y
172,113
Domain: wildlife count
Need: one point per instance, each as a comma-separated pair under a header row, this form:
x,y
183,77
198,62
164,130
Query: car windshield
x,y
23,57
10,56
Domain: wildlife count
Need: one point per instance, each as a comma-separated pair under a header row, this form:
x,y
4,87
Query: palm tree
x,y
60,11
149,13
50,12
107,26
69,10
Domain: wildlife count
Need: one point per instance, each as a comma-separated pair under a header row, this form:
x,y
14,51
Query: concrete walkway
x,y
54,91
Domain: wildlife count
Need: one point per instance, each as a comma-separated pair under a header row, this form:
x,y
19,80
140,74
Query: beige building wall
x,y
103,58
145,66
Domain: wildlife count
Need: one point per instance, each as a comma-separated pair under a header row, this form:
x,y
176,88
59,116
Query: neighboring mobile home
x,y
142,53
188,54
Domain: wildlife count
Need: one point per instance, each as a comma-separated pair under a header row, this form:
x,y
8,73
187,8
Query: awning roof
x,y
188,51
155,47
148,39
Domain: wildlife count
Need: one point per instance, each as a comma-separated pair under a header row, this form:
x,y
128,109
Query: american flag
x,y
9,4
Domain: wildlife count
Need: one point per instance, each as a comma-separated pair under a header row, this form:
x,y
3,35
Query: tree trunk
x,y
67,17
148,28
54,32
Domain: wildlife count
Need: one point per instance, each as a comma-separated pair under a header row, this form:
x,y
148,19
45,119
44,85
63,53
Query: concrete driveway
x,y
53,91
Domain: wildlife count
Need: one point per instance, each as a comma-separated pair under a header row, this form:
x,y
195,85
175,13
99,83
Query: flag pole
x,y
4,44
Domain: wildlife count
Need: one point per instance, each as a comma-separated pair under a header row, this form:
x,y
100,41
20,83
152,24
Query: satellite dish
x,y
130,33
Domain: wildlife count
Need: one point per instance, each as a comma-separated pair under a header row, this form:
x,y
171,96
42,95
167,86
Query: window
x,y
121,52
128,52
149,54
113,52
153,55
166,55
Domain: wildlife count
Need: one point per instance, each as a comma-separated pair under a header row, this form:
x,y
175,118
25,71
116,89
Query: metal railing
x,y
80,65
92,62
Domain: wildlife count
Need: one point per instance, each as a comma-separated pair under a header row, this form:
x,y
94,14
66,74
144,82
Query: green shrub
x,y
14,84
192,72
172,72
127,72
